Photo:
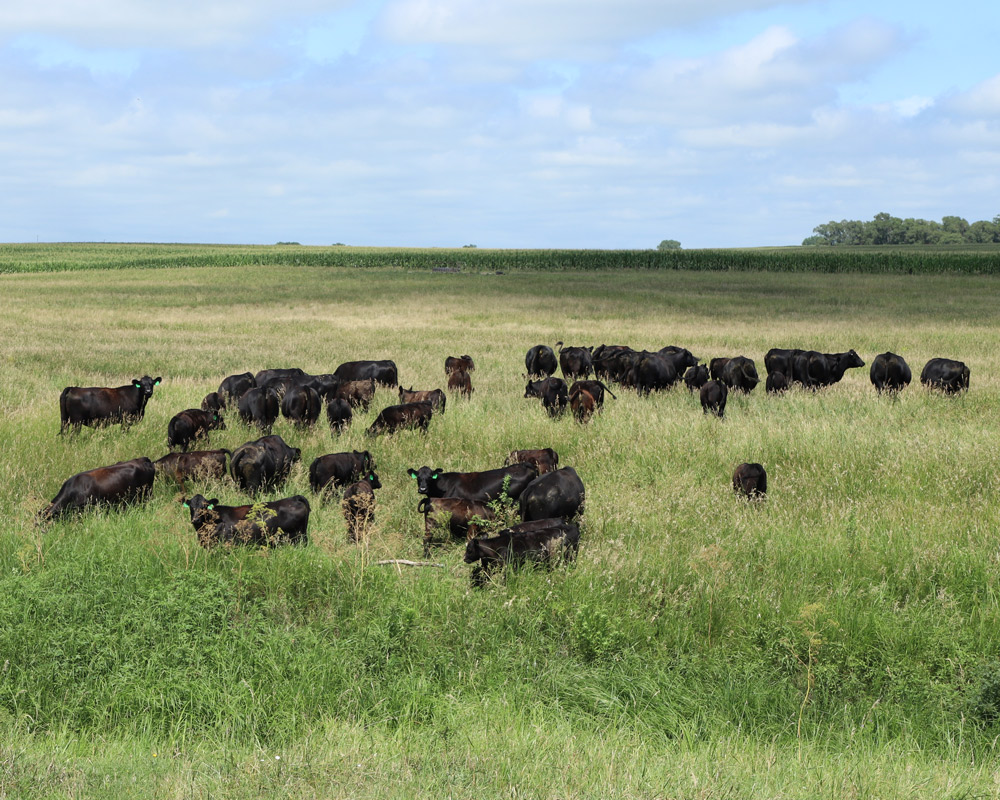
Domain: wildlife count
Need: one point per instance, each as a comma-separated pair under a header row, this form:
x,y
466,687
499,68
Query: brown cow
x,y
459,363
583,405
460,382
196,465
359,509
436,397
462,518
544,460
358,393
750,480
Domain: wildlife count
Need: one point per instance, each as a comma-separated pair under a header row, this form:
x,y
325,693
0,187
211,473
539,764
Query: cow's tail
x,y
605,388
228,453
63,411
424,506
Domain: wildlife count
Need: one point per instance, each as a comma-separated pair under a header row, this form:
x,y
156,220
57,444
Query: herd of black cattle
x,y
462,505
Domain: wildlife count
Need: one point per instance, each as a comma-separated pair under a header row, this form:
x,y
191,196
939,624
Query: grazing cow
x,y
263,464
651,372
339,415
713,398
213,401
554,394
278,522
576,362
540,361
612,361
583,405
696,377
406,415
359,508
776,383
462,518
482,486
459,363
460,382
358,393
740,374
544,460
259,407
715,367
555,494
539,541
234,387
340,469
97,405
813,369
436,397
265,376
382,372
301,405
889,373
196,465
945,374
120,483
750,480
192,424
596,390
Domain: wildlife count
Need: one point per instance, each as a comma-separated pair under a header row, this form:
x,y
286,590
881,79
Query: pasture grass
x,y
838,639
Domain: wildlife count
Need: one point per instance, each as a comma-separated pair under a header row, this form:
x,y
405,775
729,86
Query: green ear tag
x,y
156,382
186,506
435,477
210,508
414,477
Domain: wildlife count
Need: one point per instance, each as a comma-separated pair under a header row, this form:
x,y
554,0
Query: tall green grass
x,y
969,259
839,637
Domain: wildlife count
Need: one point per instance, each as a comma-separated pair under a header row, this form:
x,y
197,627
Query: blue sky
x,y
500,123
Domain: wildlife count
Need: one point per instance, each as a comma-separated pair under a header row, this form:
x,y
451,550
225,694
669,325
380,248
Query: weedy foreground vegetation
x,y
839,639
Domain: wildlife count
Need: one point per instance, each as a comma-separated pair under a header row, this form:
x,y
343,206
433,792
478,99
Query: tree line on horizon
x,y
887,229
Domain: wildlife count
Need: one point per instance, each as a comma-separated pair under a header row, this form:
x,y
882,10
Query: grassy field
x,y
840,639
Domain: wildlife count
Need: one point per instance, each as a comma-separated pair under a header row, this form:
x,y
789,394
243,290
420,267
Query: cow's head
x,y
473,551
216,423
424,478
852,359
372,479
146,384
202,510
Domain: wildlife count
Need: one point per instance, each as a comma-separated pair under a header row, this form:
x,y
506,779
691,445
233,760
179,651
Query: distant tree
x,y
885,229
814,240
955,225
338,244
288,243
468,245
669,244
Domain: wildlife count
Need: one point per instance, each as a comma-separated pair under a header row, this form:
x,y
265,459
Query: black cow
x,y
780,360
461,517
680,357
196,465
358,393
713,398
945,374
750,480
407,415
459,364
740,374
482,486
436,397
97,405
540,361
544,460
359,508
461,382
776,383
816,370
612,362
338,415
715,367
889,373
263,464
192,424
696,377
301,405
576,362
652,372
540,541
555,494
124,482
213,401
267,375
340,469
278,522
260,407
552,391
382,372
234,387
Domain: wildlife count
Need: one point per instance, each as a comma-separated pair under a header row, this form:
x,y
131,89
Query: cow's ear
x,y
212,503
185,504
157,381
215,416
411,473
136,384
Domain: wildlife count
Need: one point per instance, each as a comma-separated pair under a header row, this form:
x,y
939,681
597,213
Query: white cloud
x,y
546,28
982,100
